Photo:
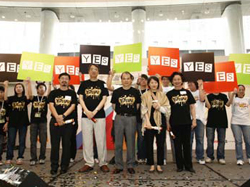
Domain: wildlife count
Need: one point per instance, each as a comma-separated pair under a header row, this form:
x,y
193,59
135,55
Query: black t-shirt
x,y
3,115
180,101
126,101
62,101
138,116
217,114
39,109
93,92
18,111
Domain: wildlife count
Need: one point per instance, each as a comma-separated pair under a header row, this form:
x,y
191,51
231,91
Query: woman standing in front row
x,y
182,105
240,123
155,112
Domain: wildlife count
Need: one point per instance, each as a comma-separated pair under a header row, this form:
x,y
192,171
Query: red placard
x,y
163,61
225,78
69,65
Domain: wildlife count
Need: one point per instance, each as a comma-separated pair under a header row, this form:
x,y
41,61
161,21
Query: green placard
x,y
39,67
242,67
127,58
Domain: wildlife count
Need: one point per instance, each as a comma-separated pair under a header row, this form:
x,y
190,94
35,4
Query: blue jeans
x,y
199,138
141,145
221,142
22,130
238,131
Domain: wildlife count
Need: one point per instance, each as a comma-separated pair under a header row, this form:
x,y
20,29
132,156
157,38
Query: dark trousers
x,y
141,145
160,139
73,148
35,130
22,130
182,146
56,134
1,145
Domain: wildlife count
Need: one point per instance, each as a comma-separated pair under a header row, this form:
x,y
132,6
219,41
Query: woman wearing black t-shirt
x,y
182,108
155,111
18,121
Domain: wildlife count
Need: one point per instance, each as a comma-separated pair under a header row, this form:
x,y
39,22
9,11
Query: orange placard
x,y
69,65
163,61
225,78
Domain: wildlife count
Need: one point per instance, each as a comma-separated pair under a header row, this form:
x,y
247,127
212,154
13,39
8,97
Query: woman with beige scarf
x,y
155,111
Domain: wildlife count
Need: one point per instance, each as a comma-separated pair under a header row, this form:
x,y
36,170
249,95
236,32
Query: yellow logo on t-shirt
x,y
18,105
62,101
180,99
219,104
127,100
93,92
37,104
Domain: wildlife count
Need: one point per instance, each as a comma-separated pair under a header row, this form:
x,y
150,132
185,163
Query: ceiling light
x,y
3,17
109,20
126,19
175,18
133,20
183,12
100,20
142,20
207,11
15,19
28,16
72,16
160,14
148,19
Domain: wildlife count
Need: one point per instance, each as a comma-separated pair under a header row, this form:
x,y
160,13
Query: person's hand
x,y
138,82
194,124
112,72
5,127
200,83
59,120
168,127
148,125
158,76
6,83
89,114
27,81
235,91
156,106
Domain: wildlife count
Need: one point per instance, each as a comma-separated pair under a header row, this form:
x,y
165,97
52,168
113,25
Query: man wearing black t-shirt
x,y
62,103
93,96
126,102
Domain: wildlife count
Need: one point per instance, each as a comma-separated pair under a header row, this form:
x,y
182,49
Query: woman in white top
x,y
241,123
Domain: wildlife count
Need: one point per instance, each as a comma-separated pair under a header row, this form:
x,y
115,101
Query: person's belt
x,y
126,114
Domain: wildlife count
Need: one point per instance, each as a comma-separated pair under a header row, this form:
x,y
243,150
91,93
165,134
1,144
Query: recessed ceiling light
x,y
100,20
160,14
15,19
3,17
133,20
109,20
207,11
139,32
28,16
183,12
142,20
175,18
72,16
148,19
126,19
116,15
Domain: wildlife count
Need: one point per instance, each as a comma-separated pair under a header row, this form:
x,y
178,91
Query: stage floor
x,y
213,174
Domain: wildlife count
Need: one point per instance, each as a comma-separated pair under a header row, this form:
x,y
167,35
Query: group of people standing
x,y
150,109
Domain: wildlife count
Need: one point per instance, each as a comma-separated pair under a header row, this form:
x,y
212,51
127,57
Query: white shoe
x,y
201,162
72,160
140,161
1,163
32,163
164,162
208,160
240,162
96,161
249,160
41,161
19,161
222,161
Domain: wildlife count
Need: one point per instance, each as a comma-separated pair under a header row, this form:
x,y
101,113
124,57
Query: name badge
x,y
183,92
68,98
38,114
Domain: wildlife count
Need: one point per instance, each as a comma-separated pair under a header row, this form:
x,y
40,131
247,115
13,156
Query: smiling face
x,y
153,84
126,80
241,91
177,81
41,90
165,81
192,86
93,71
19,89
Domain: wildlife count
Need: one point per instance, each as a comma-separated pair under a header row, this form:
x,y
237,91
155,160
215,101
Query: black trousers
x,y
56,134
73,148
182,145
149,135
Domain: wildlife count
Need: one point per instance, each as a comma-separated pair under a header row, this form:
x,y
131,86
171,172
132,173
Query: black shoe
x,y
53,172
179,170
63,171
112,161
190,170
131,170
116,171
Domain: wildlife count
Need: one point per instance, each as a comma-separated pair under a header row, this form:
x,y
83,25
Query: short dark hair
x,y
155,79
144,76
41,84
164,77
23,93
128,73
95,66
2,89
238,87
174,74
195,83
64,74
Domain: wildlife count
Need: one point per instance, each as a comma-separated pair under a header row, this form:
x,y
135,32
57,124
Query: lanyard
x,y
39,101
1,107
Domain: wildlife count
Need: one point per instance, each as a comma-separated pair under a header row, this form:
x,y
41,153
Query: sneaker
x,y
1,163
240,162
32,163
208,160
72,160
140,161
96,161
19,161
41,161
201,162
222,161
8,162
164,162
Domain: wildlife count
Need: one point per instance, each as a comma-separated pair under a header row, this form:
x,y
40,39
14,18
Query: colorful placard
x,y
242,65
198,66
225,78
98,55
163,61
127,58
39,67
69,65
9,66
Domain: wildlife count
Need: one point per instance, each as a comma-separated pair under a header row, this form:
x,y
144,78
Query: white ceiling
x,y
122,13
